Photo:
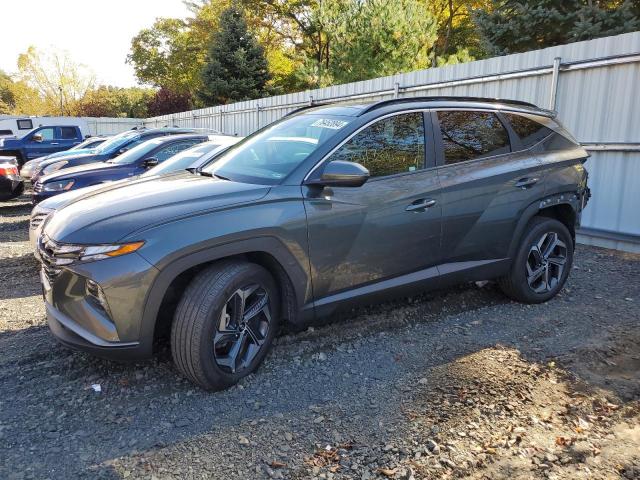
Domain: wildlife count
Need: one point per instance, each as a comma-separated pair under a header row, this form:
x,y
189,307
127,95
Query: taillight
x,y
5,171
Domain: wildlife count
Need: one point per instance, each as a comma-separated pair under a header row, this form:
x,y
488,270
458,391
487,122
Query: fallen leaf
x,y
388,472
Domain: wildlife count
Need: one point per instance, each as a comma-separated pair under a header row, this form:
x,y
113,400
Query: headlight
x,y
61,186
66,254
54,167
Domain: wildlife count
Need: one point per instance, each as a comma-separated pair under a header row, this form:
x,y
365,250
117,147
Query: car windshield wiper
x,y
209,174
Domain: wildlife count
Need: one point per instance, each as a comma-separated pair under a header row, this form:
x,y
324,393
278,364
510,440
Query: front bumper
x,y
37,197
111,328
72,335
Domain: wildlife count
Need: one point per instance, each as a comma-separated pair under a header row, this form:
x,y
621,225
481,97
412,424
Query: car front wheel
x,y
225,323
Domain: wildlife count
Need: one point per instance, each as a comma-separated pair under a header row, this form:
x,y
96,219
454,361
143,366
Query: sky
x,y
96,33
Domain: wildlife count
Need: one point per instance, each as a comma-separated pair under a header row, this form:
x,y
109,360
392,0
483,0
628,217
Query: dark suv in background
x,y
329,207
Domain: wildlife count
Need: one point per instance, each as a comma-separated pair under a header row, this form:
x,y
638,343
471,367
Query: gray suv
x,y
329,207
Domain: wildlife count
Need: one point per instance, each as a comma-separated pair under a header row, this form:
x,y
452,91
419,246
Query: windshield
x,y
271,154
88,143
183,160
117,141
137,152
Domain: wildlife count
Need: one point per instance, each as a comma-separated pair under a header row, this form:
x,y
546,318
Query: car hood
x,y
111,213
68,153
81,158
80,171
58,201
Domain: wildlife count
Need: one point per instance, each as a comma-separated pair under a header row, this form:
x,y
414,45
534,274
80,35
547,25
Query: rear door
x,y
66,137
388,227
487,181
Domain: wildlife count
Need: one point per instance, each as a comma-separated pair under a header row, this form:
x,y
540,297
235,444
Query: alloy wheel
x,y
546,262
242,328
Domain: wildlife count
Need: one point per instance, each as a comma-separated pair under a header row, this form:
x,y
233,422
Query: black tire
x,y
199,315
516,284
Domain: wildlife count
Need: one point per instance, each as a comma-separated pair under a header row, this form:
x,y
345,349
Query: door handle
x,y
420,205
526,182
55,143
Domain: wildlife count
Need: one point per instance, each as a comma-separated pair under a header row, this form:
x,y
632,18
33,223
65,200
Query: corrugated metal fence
x,y
111,126
594,86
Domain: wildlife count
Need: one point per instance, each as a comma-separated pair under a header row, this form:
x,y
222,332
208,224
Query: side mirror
x,y
36,137
150,162
342,174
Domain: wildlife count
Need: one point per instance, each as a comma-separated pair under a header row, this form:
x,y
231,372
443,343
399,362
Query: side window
x,y
172,149
529,131
67,133
389,146
135,143
467,135
47,133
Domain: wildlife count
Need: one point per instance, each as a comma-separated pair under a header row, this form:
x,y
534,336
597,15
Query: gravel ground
x,y
455,384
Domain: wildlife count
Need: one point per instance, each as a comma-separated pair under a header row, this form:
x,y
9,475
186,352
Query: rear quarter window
x,y
529,131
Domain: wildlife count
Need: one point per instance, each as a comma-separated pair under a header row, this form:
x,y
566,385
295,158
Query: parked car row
x,y
191,158
329,207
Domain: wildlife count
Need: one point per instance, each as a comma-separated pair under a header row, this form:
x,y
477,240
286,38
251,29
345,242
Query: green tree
x,y
235,67
511,26
373,38
165,55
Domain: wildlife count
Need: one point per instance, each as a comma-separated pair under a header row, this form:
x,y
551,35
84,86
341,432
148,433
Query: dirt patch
x,y
455,384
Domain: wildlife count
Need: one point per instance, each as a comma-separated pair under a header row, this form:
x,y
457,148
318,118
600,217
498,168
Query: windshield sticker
x,y
327,123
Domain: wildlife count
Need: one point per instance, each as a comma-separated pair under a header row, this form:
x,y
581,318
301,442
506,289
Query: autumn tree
x,y
7,96
166,101
107,101
58,81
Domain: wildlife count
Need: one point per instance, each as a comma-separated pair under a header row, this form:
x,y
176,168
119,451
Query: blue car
x,y
88,146
133,162
116,145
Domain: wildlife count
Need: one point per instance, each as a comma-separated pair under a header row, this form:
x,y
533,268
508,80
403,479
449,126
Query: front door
x,y
387,229
47,145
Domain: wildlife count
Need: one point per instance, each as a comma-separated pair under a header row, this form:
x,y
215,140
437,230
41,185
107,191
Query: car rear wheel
x,y
542,263
224,324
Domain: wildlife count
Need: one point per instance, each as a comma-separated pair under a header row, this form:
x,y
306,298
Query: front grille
x,y
47,251
37,187
51,272
37,219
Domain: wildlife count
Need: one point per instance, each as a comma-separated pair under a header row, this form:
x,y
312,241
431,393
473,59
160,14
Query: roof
x,y
358,109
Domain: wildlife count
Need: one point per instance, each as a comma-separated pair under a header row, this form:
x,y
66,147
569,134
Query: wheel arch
x,y
270,253
562,207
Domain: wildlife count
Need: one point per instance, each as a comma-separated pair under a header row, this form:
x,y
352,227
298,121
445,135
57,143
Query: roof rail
x,y
383,103
306,107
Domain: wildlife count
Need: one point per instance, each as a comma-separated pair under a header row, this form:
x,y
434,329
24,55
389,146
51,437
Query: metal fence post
x,y
554,83
258,114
